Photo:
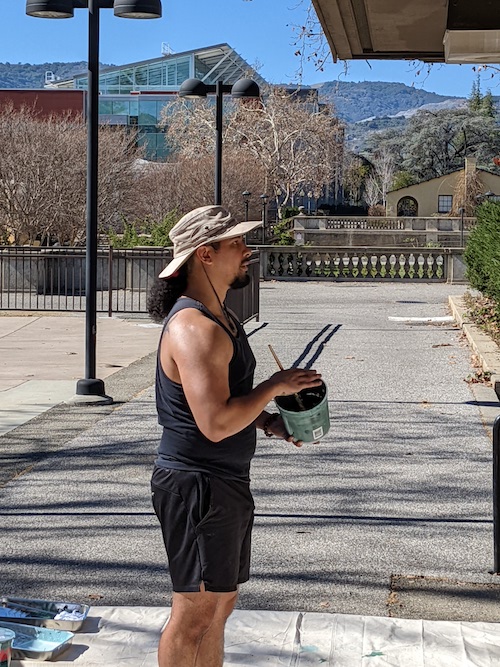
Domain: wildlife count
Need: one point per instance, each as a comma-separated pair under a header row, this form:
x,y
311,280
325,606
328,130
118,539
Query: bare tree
x,y
42,176
299,144
385,168
373,192
292,142
185,182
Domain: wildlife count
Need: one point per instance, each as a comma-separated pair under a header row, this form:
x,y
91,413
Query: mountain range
x,y
353,101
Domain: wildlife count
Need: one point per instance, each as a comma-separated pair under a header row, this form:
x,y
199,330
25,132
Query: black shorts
x,y
207,524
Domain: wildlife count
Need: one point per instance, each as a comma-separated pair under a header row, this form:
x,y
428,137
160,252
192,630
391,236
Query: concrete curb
x,y
483,346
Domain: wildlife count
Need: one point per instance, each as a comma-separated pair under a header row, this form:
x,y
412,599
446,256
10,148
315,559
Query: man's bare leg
x,y
194,616
211,649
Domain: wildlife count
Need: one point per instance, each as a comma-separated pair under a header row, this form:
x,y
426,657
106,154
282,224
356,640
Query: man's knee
x,y
195,613
226,605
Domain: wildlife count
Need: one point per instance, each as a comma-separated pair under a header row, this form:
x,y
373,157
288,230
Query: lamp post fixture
x,y
62,9
246,197
263,199
243,88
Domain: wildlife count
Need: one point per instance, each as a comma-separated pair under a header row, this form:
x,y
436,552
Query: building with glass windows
x,y
134,95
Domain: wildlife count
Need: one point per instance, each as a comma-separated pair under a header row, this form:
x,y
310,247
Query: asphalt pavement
x,y
389,515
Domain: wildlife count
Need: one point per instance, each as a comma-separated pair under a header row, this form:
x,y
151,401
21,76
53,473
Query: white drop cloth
x,y
123,636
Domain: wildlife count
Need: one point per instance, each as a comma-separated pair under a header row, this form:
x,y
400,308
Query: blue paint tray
x,y
37,643
43,613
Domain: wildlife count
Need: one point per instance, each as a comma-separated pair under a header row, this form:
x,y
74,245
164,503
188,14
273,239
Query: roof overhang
x,y
454,31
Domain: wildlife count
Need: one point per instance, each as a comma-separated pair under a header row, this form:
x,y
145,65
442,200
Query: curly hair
x,y
164,293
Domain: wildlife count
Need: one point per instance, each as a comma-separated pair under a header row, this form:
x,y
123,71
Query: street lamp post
x,y
246,198
243,88
263,199
54,9
461,210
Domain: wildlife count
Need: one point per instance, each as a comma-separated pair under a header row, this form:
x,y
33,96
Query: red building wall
x,y
45,101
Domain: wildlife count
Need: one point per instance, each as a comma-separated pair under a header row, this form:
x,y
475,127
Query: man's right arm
x,y
202,352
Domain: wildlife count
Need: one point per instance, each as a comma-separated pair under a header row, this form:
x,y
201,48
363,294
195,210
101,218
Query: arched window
x,y
408,207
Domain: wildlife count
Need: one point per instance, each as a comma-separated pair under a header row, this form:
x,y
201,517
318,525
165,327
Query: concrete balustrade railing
x,y
362,264
378,231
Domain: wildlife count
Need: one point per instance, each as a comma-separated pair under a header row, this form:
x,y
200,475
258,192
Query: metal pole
x,y
462,213
496,496
264,222
110,281
219,97
246,210
90,386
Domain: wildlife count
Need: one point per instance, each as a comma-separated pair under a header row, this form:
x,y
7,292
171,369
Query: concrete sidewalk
x,y
42,357
389,516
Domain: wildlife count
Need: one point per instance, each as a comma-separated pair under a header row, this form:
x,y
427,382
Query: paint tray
x,y
35,643
42,613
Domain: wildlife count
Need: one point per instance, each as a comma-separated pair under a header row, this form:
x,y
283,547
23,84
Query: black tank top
x,y
183,446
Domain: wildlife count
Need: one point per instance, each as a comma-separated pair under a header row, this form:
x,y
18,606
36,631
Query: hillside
x,y
355,102
24,75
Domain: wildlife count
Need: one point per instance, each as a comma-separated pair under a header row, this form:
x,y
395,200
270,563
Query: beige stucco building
x,y
435,196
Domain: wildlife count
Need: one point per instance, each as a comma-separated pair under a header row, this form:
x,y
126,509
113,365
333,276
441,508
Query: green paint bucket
x,y
6,639
311,423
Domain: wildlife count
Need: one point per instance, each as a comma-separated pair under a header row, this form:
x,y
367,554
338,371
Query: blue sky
x,y
259,30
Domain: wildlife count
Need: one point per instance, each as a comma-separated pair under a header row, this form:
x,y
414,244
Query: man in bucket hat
x,y
209,411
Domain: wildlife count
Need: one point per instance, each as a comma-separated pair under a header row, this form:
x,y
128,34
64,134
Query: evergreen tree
x,y
475,100
487,105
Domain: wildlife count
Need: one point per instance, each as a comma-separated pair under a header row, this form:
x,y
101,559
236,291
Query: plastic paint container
x,y
313,422
6,639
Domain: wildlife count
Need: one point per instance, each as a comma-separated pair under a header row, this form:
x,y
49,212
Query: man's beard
x,y
240,281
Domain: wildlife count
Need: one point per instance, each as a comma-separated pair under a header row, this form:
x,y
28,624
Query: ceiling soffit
x,y
404,29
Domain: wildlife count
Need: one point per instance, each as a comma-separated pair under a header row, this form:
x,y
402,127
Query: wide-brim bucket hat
x,y
202,226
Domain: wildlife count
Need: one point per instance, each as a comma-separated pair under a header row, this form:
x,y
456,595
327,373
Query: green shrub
x,y
289,212
160,231
284,237
482,252
129,238
146,233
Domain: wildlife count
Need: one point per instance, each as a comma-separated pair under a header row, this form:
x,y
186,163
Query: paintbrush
x,y
298,398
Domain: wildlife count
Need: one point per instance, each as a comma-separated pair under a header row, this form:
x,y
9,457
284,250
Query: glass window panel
x,y
110,79
155,75
105,106
445,203
148,141
134,107
121,108
182,71
200,68
126,78
147,112
141,76
159,108
171,75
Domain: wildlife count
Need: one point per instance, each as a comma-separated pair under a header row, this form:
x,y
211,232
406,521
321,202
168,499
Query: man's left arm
x,y
272,424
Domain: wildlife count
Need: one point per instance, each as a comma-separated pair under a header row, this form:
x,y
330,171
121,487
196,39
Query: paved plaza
x,y
388,516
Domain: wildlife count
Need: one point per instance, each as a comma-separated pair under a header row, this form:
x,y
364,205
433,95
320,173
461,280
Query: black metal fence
x,y
496,496
44,279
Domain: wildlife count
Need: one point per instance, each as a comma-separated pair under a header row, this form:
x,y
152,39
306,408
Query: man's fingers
x,y
297,443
